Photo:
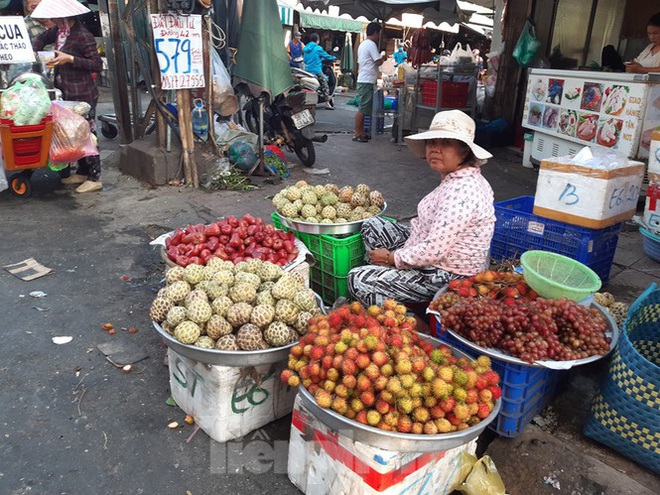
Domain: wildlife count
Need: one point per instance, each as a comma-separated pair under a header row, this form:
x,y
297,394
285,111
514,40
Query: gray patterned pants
x,y
371,284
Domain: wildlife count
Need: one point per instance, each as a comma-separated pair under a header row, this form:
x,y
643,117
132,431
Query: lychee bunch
x,y
372,366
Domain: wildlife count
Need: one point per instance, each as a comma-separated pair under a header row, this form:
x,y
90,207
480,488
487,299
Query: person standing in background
x,y
76,60
368,59
400,56
649,60
294,50
34,28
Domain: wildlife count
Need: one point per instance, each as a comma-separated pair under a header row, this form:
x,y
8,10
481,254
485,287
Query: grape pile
x,y
544,329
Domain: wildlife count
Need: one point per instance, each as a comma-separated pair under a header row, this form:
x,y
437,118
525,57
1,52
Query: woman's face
x,y
445,155
653,32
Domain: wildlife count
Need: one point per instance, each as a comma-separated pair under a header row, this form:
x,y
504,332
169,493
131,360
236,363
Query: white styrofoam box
x,y
585,196
652,207
229,402
324,462
654,157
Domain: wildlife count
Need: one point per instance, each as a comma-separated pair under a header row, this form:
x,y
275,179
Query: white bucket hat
x,y
58,9
450,124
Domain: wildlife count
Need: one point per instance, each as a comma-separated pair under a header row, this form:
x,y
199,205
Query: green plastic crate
x,y
335,256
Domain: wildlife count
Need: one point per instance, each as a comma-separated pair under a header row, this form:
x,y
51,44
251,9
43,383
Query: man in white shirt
x,y
369,59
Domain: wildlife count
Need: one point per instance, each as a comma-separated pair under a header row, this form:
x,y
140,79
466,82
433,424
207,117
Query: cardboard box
x,y
229,402
589,197
322,461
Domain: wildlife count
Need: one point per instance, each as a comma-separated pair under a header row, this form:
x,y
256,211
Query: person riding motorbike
x,y
313,56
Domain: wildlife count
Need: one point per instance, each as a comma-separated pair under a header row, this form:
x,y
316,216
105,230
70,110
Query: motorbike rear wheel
x,y
304,149
251,117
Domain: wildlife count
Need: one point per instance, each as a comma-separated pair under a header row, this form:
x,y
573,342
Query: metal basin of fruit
x,y
395,441
217,357
326,228
612,332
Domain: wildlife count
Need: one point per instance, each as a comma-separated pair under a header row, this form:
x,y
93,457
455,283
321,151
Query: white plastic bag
x,y
461,55
3,177
224,100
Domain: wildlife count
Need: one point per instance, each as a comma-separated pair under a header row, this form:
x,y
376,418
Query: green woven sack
x,y
625,414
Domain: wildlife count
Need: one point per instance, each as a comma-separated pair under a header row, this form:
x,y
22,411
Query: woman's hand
x,y
381,257
635,68
60,58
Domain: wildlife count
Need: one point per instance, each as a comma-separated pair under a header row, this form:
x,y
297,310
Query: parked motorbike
x,y
308,81
288,122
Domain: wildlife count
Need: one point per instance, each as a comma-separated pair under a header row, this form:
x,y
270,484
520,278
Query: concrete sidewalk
x,y
75,424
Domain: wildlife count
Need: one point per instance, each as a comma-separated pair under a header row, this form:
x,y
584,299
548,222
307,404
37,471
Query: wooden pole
x,y
208,48
190,138
181,107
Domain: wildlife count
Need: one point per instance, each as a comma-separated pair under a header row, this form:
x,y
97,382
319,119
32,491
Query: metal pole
x,y
260,169
109,16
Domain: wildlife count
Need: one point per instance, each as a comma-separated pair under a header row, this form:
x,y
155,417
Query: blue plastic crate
x,y
518,230
526,390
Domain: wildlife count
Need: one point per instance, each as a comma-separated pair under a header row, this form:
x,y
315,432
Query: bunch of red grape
x,y
543,329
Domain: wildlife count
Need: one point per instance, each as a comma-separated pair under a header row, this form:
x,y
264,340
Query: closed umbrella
x,y
347,62
261,63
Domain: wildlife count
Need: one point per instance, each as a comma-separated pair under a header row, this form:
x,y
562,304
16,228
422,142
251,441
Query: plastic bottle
x,y
200,120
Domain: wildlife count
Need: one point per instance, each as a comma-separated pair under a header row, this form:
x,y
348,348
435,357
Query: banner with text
x,y
15,45
178,45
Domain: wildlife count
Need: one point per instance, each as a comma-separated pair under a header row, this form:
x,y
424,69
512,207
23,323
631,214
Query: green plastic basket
x,y
554,276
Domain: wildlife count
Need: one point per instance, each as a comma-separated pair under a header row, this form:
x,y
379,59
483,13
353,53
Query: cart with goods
x,y
229,328
327,219
528,330
25,131
381,408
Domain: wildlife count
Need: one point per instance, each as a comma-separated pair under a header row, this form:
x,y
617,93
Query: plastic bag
x,y
224,100
483,479
72,138
460,55
33,104
25,103
3,178
527,46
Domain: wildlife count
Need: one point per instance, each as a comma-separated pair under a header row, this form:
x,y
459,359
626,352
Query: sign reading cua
x,y
15,45
178,46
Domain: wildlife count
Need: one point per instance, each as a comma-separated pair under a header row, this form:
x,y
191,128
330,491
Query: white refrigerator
x,y
568,110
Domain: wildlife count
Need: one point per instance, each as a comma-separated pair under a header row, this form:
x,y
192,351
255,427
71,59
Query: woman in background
x,y
648,61
76,60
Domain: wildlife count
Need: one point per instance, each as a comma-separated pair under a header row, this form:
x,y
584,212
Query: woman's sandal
x,y
361,139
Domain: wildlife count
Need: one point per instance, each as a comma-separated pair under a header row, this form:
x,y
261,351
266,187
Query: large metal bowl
x,y
612,332
217,357
326,228
390,440
238,359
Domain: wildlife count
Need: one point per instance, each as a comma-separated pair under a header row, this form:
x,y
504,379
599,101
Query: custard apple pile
x,y
328,203
249,306
618,310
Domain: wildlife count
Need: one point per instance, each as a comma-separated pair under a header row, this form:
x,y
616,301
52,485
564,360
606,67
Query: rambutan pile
x,y
372,366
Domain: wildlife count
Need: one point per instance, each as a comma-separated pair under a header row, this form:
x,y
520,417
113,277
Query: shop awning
x,y
286,14
314,21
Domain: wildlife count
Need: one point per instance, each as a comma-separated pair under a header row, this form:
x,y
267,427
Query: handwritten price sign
x,y
178,45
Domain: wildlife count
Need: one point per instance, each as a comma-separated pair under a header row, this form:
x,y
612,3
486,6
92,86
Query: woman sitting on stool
x,y
449,239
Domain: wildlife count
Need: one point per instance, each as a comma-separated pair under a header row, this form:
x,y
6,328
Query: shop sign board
x,y
15,44
178,46
605,113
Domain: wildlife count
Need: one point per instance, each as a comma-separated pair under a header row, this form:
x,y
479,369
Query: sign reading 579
x,y
178,45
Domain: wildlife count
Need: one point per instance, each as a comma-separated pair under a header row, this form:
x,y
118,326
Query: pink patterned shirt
x,y
454,226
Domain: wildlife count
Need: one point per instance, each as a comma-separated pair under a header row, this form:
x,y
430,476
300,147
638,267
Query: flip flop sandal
x,y
361,139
